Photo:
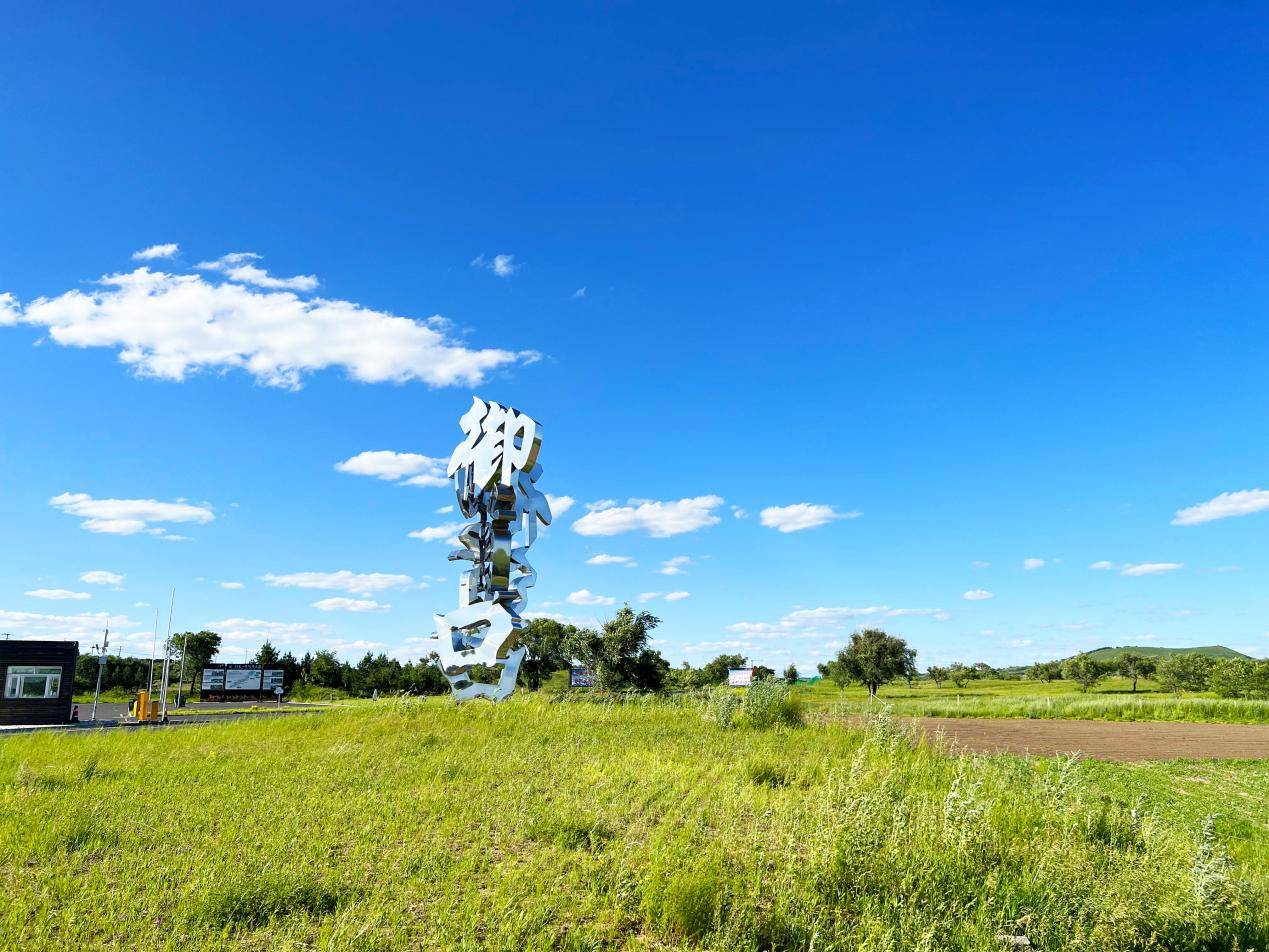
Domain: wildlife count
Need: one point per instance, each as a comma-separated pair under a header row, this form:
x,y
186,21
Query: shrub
x,y
771,703
722,705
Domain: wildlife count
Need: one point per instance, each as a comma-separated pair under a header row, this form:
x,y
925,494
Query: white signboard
x,y
242,679
740,677
274,679
213,679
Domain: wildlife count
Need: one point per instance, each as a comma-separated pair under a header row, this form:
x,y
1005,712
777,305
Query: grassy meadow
x,y
1110,700
538,825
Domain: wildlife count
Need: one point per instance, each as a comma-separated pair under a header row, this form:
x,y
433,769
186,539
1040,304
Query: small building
x,y
39,681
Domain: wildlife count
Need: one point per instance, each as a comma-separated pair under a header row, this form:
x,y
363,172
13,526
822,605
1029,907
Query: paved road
x,y
1104,740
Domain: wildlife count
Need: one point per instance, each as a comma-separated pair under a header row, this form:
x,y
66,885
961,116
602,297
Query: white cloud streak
x,y
1224,506
587,597
168,326
602,559
58,594
101,577
405,469
129,516
350,605
342,581
157,252
658,519
801,515
978,595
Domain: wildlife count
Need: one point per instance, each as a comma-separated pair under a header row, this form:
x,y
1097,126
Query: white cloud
x,y
1030,564
738,512
674,566
86,627
342,581
980,565
155,252
504,266
718,646
602,559
442,533
444,510
601,504
170,325
577,621
586,597
644,597
978,595
938,614
238,267
1224,506
806,622
101,577
232,586
658,519
802,515
350,605
405,469
1018,642
579,293
129,516
1151,568
677,596
58,594
559,504
1139,568
282,634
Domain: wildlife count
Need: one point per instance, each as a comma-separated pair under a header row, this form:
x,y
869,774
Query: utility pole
x,y
101,666
167,661
180,678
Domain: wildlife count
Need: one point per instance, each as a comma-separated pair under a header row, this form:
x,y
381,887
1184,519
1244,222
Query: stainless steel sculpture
x,y
494,470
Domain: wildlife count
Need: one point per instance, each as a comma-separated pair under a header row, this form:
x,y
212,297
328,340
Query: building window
x,y
32,682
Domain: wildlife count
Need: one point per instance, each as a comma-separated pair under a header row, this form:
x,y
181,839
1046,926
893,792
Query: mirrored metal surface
x,y
494,469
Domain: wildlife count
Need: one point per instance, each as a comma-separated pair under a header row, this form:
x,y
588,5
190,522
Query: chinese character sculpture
x,y
494,470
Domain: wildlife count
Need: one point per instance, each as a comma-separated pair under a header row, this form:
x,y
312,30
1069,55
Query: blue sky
x,y
941,291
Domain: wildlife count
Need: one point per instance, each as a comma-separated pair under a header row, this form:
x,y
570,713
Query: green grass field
x,y
1108,701
533,825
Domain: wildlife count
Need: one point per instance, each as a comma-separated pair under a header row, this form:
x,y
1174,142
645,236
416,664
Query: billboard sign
x,y
740,677
581,678
213,679
242,679
273,680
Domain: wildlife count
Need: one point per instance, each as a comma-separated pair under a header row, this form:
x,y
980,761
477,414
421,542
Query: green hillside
x,y
1211,651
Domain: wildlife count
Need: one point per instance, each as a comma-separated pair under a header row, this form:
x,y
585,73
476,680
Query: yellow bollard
x,y
141,711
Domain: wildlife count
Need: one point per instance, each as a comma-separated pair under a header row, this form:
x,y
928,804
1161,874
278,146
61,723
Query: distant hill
x,y
1211,651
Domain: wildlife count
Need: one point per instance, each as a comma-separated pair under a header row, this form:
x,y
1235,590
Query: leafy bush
x,y
722,705
771,703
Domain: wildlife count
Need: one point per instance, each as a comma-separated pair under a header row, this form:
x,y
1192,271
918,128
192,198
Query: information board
x,y
581,678
274,678
242,679
213,679
740,677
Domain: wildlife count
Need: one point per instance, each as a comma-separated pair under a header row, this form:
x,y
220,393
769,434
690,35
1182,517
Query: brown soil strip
x,y
1103,740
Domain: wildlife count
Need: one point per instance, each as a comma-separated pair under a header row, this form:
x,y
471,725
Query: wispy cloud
x,y
355,583
1032,564
168,326
156,252
603,559
675,566
978,595
130,516
1224,506
447,532
58,594
658,519
559,504
405,469
350,605
585,596
1137,568
238,267
504,266
101,577
801,515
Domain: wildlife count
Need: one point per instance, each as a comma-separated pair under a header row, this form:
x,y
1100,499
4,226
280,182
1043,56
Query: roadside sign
x,y
580,678
740,677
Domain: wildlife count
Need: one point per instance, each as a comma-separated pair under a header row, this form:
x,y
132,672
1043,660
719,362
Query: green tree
x,y
872,658
791,673
936,674
1046,671
267,656
619,655
1133,665
200,648
1084,670
685,678
1232,677
715,672
960,674
325,670
545,639
985,672
1187,671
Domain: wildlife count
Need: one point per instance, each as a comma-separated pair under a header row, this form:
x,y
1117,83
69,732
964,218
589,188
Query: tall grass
x,y
532,825
1112,702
